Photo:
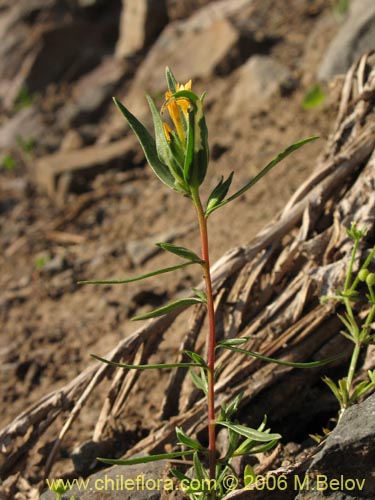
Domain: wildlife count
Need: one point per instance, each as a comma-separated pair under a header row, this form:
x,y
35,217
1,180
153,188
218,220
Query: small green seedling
x,y
360,332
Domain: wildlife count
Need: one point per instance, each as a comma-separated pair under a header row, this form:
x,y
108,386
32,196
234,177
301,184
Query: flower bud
x,y
362,275
370,280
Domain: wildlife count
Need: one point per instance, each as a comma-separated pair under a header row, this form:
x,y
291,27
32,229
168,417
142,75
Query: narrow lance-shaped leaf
x,y
136,278
200,382
290,149
253,451
171,80
201,294
196,357
145,460
143,367
218,194
200,471
231,342
312,364
186,440
183,252
201,149
262,437
148,145
189,149
161,311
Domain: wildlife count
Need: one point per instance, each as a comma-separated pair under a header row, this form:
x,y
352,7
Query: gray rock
x,y
91,92
133,482
141,22
255,82
356,36
25,125
39,46
346,462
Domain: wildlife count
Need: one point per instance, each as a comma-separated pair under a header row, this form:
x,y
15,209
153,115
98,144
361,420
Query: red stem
x,y
211,341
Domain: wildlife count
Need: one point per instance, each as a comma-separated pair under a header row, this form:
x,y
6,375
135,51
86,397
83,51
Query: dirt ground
x,y
50,325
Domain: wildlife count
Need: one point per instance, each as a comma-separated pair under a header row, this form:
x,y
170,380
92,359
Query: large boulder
x,y
141,22
46,41
356,36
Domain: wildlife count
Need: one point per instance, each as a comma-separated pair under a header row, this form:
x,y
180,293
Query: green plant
x,y
8,162
340,8
314,97
41,261
24,99
179,157
26,144
358,331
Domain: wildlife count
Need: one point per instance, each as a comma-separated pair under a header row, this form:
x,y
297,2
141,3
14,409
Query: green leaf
x,y
314,97
8,162
171,80
232,342
201,149
290,149
136,278
201,294
218,194
200,382
161,311
145,460
148,145
312,364
200,471
360,390
189,148
249,475
263,437
351,325
180,476
143,367
163,148
183,252
251,450
185,440
331,384
196,358
228,410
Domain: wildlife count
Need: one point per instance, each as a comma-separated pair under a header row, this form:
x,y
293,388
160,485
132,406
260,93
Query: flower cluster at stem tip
x,y
184,149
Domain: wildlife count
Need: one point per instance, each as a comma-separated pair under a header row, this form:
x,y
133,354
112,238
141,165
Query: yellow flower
x,y
167,131
175,107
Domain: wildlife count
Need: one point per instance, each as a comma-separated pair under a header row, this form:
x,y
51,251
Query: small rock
x,y
133,482
24,125
56,172
72,140
91,92
141,22
55,265
356,36
256,81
